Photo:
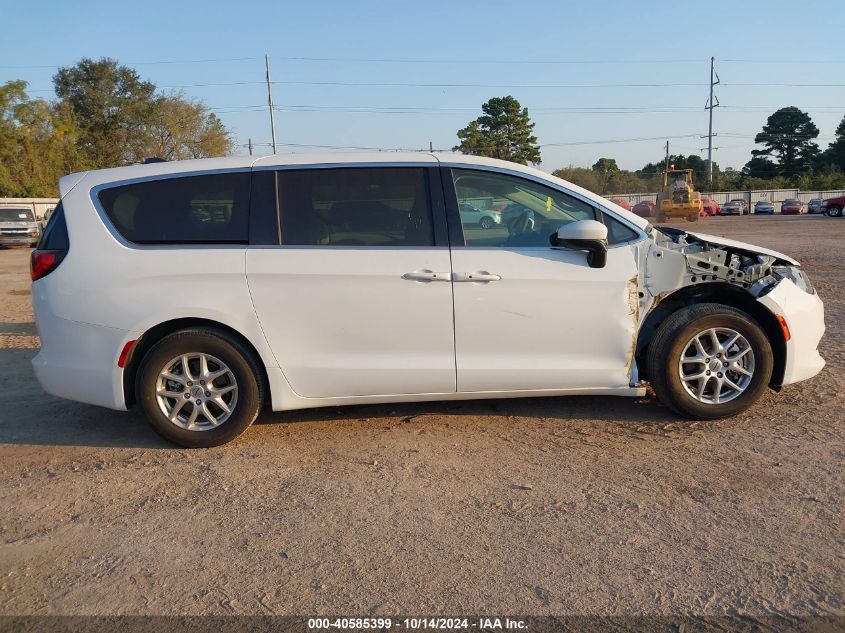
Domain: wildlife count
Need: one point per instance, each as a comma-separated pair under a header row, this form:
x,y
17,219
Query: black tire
x,y
670,342
486,222
834,212
243,365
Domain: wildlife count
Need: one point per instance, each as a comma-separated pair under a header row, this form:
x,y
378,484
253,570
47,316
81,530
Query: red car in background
x,y
644,209
792,206
709,207
622,203
834,206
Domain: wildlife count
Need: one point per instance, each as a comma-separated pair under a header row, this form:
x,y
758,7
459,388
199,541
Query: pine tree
x,y
788,136
504,131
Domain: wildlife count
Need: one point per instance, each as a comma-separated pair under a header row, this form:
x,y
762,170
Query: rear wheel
x,y
199,388
834,212
709,361
486,222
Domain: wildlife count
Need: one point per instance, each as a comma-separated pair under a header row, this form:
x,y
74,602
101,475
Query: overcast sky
x,y
573,64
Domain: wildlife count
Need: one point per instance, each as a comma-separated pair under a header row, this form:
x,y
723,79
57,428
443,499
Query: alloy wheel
x,y
196,391
716,366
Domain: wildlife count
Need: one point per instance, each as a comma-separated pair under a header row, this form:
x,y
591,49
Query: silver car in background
x,y
18,226
738,206
815,205
764,207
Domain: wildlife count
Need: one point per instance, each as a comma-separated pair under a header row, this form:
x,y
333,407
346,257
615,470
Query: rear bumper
x,y
14,240
78,361
804,315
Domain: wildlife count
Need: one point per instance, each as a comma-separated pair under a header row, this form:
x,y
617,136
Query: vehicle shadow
x,y
30,416
615,410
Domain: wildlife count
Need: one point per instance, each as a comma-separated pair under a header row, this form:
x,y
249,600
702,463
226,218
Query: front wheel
x,y
834,212
486,223
709,361
199,388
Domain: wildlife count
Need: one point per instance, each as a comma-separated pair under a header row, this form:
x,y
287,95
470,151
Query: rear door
x,y
354,291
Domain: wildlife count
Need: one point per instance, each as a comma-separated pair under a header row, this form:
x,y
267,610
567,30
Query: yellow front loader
x,y
678,199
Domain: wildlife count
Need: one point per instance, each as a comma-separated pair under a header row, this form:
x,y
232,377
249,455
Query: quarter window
x,y
210,209
355,207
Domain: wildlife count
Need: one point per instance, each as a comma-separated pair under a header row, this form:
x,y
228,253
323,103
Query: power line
x,y
406,149
619,140
784,61
391,60
418,85
397,60
784,85
154,63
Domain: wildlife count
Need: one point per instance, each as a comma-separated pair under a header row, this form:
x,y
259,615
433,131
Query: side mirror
x,y
584,235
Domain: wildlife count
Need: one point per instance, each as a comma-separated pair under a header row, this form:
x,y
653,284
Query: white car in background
x,y
485,218
204,290
18,227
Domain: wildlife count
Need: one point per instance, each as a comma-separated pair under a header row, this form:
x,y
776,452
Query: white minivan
x,y
204,290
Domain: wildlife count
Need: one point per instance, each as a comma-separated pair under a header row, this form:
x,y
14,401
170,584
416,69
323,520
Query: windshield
x,y
16,215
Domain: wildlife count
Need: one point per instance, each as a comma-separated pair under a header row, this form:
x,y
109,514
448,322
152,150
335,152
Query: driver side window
x,y
499,210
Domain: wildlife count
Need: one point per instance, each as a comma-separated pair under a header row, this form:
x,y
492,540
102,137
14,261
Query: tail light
x,y
44,262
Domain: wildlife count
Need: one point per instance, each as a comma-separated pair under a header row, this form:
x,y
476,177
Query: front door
x,y
529,316
357,299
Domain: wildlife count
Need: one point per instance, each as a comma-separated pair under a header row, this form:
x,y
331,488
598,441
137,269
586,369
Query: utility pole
x,y
430,146
712,102
270,102
249,145
667,155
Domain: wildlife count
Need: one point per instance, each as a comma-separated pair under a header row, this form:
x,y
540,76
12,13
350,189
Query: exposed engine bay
x,y
680,267
677,258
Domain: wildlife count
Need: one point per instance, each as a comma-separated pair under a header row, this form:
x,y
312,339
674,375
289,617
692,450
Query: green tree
x,y
38,143
835,153
504,131
788,136
606,168
180,129
112,106
624,181
587,178
760,167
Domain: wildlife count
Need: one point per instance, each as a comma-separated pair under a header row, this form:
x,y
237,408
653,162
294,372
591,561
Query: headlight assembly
x,y
796,275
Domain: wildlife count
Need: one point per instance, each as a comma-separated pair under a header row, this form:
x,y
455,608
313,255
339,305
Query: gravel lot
x,y
580,506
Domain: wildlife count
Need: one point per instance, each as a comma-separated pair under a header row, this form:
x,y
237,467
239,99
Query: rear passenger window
x,y
211,209
355,207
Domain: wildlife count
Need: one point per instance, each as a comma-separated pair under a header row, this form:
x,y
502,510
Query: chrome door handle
x,y
426,275
477,276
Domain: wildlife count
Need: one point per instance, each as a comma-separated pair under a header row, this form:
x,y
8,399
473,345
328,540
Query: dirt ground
x,y
575,506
